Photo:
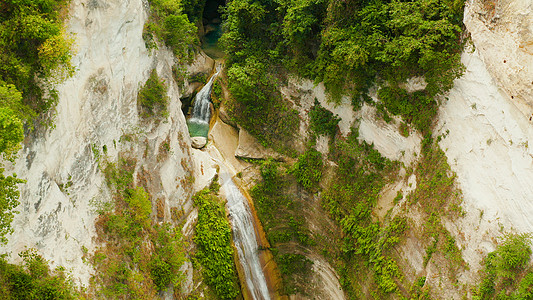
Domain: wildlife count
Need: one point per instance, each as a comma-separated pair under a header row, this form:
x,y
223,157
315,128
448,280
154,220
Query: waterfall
x,y
199,121
244,237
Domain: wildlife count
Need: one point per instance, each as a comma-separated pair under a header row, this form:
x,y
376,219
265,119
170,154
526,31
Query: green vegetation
x,y
416,108
259,106
139,256
153,97
34,280
171,25
35,54
507,274
350,198
12,114
322,121
216,94
35,49
284,223
9,195
213,238
308,169
348,45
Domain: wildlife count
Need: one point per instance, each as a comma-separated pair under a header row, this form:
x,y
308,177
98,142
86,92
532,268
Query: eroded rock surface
x,y
96,119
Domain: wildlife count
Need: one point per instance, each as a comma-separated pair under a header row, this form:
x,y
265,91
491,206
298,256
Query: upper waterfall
x,y
199,121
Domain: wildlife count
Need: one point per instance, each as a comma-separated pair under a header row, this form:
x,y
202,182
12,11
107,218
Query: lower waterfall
x,y
244,237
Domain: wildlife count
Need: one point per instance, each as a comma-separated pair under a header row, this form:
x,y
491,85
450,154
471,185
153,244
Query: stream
x,y
240,214
244,237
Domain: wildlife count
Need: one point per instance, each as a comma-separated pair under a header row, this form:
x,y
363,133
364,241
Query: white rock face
x,y
96,107
488,147
387,138
503,35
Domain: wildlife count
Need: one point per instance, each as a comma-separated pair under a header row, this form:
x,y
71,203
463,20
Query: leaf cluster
x,y
35,48
34,280
153,97
215,252
170,24
308,169
322,121
507,274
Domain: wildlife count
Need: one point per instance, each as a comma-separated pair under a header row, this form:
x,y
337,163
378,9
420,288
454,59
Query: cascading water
x,y
242,221
244,237
199,122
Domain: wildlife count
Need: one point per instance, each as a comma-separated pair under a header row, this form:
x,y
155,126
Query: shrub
x,y
308,169
504,266
168,23
322,120
417,108
213,238
153,97
34,280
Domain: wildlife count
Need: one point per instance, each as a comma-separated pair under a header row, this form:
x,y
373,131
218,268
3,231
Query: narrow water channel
x,y
240,214
244,237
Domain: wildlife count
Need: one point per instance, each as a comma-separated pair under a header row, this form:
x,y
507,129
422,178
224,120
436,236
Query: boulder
x,y
224,116
198,142
249,147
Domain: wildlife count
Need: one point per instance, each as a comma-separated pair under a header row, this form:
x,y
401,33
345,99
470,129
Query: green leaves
x,y
322,121
504,268
153,97
9,195
213,238
11,133
35,280
35,48
170,24
308,169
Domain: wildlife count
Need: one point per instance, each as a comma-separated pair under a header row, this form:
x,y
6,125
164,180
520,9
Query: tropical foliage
x,y
348,45
213,238
35,54
34,280
170,24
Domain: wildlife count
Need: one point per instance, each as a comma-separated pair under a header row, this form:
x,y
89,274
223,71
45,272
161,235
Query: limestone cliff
x,y
97,107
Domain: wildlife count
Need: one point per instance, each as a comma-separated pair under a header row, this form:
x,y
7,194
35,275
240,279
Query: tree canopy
x,y
35,53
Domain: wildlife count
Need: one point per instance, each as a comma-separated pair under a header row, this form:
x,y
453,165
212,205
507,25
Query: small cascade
x,y
244,237
199,122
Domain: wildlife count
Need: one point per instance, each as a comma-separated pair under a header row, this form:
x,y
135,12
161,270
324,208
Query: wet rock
x,y
198,142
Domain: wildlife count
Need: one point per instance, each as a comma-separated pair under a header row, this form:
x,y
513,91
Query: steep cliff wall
x,y
488,126
502,32
96,108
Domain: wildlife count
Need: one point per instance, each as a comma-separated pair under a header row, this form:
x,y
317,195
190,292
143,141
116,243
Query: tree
x,y
9,195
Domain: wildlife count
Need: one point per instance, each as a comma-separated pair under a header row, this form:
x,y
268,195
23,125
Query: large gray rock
x,y
198,142
224,116
249,147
